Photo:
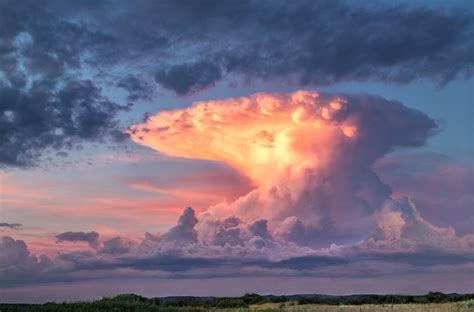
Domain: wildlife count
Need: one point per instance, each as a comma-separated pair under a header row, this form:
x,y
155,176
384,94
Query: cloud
x,y
45,103
52,117
58,63
183,233
402,243
400,225
13,226
305,42
116,246
189,78
89,237
196,183
309,155
318,207
417,176
17,264
137,89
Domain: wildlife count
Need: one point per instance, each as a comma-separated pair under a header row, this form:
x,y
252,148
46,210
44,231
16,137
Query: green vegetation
x,y
466,304
431,297
254,302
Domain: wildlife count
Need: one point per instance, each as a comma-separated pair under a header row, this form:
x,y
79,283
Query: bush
x,y
231,303
253,299
466,304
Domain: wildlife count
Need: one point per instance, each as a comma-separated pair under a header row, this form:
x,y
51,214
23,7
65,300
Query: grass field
x,y
257,303
288,306
432,307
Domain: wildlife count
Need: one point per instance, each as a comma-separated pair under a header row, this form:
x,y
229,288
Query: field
x,y
431,307
270,307
432,302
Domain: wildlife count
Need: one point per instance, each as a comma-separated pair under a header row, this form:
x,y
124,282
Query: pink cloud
x,y
308,155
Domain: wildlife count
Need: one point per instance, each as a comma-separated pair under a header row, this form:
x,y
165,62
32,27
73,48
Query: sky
x,y
227,147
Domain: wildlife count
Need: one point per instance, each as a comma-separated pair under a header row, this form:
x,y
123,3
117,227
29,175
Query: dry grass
x,y
442,307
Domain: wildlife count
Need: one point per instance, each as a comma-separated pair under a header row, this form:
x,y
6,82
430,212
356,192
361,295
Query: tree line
x,y
136,303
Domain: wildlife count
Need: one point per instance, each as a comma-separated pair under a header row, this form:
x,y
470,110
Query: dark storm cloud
x,y
44,102
56,58
13,226
47,117
314,42
189,78
89,237
137,89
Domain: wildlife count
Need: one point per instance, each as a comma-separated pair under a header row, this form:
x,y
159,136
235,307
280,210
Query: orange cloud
x,y
265,136
279,141
309,155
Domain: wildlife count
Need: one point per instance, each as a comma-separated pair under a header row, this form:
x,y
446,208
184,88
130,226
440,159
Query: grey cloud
x,y
315,42
116,246
260,228
189,78
226,231
183,233
13,226
76,256
305,262
422,258
49,117
44,102
175,263
17,265
137,88
88,237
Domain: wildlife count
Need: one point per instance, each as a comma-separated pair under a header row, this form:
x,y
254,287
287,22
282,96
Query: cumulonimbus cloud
x,y
317,207
308,154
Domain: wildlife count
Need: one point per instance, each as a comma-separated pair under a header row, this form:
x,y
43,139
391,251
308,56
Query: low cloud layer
x,y
59,63
402,244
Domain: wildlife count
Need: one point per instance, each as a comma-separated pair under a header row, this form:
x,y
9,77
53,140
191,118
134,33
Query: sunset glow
x,y
267,137
222,148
